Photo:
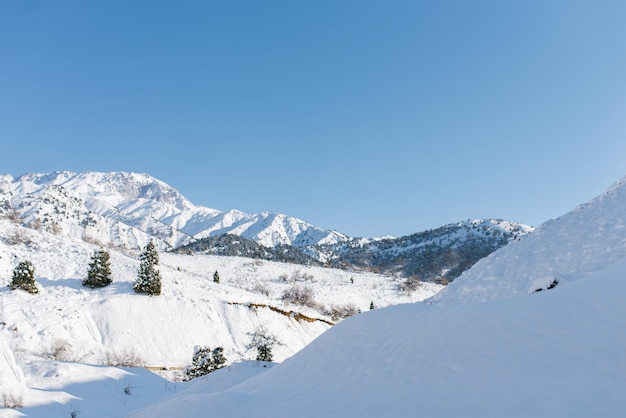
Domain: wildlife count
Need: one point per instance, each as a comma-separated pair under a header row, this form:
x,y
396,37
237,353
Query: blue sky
x,y
368,117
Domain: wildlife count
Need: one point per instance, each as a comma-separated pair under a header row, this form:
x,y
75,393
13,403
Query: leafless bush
x,y
126,358
299,295
91,240
17,237
58,350
339,312
442,280
409,284
12,401
299,276
14,216
62,350
260,287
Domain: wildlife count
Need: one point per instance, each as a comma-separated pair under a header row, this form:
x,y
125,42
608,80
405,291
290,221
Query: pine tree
x,y
263,341
148,277
24,278
205,361
264,353
216,277
371,305
99,273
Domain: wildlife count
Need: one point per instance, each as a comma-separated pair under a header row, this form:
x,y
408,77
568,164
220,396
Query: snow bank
x,y
12,386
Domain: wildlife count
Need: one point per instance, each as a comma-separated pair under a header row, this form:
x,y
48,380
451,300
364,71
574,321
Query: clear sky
x,y
368,117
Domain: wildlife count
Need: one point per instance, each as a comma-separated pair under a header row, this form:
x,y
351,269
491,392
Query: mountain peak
x,y
128,209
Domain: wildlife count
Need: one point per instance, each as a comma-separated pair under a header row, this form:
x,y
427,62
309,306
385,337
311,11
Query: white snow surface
x,y
579,243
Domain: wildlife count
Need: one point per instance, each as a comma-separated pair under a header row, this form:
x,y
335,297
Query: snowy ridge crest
x,y
582,242
128,209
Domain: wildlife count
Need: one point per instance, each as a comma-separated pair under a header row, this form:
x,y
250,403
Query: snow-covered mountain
x,y
558,352
128,209
438,254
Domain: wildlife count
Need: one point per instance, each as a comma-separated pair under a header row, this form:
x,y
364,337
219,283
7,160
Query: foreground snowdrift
x,y
555,353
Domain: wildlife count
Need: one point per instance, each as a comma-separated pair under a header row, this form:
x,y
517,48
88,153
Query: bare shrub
x,y
126,358
261,288
62,350
91,240
12,401
299,295
14,216
442,280
298,276
339,312
17,237
409,284
58,350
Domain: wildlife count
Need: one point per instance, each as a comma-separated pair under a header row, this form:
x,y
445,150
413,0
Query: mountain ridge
x,y
127,210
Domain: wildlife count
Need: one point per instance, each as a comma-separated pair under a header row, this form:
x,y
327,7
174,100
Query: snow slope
x,y
557,353
577,244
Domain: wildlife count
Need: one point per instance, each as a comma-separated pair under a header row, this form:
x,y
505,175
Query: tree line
x,y
99,273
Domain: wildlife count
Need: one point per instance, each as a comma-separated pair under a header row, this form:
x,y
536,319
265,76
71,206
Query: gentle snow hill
x,y
556,353
575,245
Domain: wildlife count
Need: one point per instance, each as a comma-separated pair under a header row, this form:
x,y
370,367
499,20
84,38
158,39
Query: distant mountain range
x,y
127,210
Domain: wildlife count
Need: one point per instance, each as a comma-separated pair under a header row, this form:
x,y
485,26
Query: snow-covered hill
x,y
128,209
554,354
579,243
438,254
545,354
67,321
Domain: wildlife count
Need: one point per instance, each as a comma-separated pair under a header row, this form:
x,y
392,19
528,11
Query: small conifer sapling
x,y
99,273
24,278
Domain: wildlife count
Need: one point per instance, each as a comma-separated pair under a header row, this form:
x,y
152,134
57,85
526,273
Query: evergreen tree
x,y
371,305
99,273
24,278
205,361
216,277
263,341
264,353
148,277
